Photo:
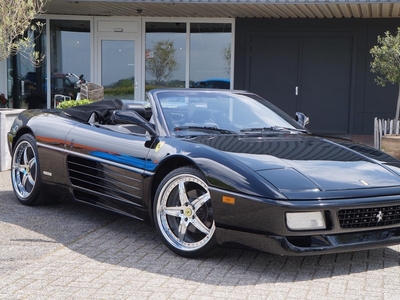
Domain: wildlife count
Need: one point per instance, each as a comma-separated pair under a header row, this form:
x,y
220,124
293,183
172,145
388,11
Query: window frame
x,y
188,21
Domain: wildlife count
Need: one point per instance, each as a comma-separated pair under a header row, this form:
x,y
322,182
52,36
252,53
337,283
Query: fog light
x,y
305,220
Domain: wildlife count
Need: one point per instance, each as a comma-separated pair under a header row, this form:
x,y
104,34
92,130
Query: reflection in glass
x,y
70,56
11,94
165,55
26,82
118,69
210,55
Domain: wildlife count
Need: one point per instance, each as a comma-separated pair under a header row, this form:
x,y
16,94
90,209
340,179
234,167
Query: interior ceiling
x,y
228,8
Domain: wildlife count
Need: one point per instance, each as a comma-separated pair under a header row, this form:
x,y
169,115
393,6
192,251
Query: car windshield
x,y
222,112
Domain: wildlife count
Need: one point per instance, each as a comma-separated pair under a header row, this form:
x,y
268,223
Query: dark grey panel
x,y
318,67
274,70
367,100
325,83
381,100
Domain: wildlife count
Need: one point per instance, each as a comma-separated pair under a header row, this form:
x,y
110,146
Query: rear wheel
x,y
183,214
25,172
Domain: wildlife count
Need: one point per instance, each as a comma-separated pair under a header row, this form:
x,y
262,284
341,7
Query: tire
x,y
25,172
183,214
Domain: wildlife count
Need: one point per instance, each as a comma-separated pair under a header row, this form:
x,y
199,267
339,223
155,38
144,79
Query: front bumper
x,y
351,223
309,245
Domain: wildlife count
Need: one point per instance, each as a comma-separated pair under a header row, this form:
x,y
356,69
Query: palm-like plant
x,y
386,63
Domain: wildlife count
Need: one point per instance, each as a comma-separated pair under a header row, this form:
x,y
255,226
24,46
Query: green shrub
x,y
150,87
71,103
119,90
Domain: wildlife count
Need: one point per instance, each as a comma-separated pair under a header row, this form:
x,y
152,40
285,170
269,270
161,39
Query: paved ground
x,y
71,251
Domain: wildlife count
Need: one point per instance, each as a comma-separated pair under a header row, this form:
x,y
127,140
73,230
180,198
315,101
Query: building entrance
x,y
118,68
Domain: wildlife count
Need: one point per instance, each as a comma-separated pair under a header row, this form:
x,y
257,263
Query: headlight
x,y
305,220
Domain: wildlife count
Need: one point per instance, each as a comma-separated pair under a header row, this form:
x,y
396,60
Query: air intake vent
x,y
369,217
102,179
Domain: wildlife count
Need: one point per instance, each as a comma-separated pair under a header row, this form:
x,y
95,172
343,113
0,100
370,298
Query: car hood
x,y
309,163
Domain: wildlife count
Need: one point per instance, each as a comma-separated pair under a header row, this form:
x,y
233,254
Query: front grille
x,y
369,217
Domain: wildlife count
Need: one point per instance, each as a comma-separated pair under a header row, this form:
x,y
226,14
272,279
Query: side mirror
x,y
131,117
302,119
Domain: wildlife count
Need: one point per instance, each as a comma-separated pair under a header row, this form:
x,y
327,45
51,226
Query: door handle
x,y
296,90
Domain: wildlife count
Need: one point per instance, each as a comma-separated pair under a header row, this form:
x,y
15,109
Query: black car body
x,y
210,167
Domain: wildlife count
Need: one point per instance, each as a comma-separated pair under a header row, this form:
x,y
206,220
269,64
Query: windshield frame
x,y
178,100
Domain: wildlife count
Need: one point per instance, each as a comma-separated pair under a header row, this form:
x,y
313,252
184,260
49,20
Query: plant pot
x,y
391,144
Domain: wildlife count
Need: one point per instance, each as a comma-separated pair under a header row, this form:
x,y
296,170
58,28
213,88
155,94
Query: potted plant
x,y
386,63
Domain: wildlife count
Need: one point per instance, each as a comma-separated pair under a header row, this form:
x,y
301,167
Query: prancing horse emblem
x,y
379,216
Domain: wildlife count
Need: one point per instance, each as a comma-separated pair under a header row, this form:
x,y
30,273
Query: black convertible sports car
x,y
211,167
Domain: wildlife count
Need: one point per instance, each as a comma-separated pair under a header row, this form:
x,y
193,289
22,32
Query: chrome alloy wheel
x,y
24,170
184,213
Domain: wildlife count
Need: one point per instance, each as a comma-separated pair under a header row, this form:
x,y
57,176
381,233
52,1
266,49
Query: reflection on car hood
x,y
303,162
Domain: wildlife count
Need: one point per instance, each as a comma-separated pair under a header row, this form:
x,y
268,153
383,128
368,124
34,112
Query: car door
x,y
106,165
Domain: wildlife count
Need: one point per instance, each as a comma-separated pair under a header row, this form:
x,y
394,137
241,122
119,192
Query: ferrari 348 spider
x,y
208,168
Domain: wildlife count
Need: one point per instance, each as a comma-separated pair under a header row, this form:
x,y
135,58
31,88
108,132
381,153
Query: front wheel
x,y
25,172
183,214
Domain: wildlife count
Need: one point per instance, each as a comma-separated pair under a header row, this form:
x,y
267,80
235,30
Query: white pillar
x,y
7,117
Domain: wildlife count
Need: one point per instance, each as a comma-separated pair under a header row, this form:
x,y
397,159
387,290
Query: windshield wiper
x,y
279,128
257,129
273,128
203,128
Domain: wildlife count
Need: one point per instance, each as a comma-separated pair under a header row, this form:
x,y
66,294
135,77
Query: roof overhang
x,y
228,8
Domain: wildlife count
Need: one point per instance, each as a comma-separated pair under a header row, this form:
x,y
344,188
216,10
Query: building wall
x,y
368,100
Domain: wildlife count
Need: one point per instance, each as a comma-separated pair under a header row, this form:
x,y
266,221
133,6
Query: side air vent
x,y
103,179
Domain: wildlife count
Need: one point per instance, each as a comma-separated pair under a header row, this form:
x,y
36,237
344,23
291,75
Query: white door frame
x,y
137,67
118,29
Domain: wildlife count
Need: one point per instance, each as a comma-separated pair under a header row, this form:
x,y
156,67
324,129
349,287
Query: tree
x,y
16,18
386,62
161,61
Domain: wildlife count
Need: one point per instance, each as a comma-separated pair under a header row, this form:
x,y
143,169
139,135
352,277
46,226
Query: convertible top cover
x,y
100,108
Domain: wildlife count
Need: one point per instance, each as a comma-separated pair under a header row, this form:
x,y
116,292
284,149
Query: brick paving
x,y
72,251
